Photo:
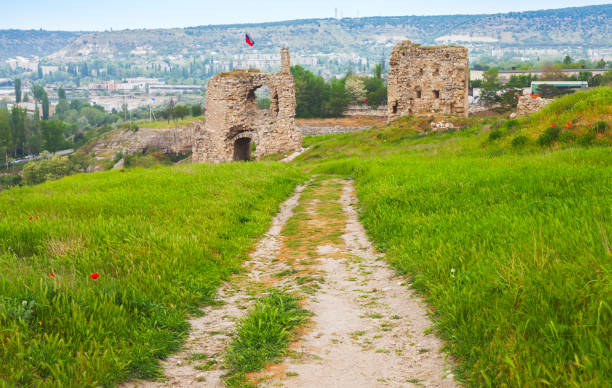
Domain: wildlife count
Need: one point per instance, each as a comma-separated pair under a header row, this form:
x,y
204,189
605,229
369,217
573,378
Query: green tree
x,y
376,91
45,107
196,110
17,83
339,98
378,71
180,111
61,93
38,92
52,135
601,64
18,130
311,93
6,136
490,87
567,60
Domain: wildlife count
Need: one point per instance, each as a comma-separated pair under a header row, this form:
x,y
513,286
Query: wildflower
x,y
431,309
36,217
452,272
94,275
30,218
554,125
52,274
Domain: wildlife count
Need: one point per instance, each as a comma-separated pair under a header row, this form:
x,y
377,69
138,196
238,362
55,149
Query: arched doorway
x,y
242,149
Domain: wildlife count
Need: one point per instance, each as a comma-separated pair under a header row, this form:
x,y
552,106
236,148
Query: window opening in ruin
x,y
395,107
437,72
421,72
242,149
418,94
274,103
259,98
436,94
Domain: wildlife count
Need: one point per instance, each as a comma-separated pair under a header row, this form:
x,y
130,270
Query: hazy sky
x,y
120,14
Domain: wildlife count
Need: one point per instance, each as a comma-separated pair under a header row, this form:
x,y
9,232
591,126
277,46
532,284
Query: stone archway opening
x,y
242,149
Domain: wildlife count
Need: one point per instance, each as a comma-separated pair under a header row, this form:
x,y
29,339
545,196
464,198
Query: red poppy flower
x,y
52,274
554,125
30,218
36,217
590,125
94,275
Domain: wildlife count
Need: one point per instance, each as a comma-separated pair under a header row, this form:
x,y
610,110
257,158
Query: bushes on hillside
x,y
35,172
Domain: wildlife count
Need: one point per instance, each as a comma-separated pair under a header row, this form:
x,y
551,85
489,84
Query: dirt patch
x,y
353,121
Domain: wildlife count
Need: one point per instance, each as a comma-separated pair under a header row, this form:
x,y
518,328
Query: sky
x,y
101,15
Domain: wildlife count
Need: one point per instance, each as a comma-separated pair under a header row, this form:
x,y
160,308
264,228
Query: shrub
x,y
519,141
601,126
587,139
512,124
549,136
35,172
495,134
9,180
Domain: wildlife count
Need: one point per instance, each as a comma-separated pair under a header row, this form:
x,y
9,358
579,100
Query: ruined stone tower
x,y
234,122
285,61
427,79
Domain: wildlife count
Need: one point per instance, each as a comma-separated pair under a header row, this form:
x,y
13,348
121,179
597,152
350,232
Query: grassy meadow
x,y
160,240
512,246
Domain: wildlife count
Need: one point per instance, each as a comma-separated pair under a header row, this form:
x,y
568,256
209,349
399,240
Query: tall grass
x,y
263,334
513,249
160,239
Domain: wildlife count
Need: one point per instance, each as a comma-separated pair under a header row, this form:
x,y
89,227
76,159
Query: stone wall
x,y
169,141
528,104
365,110
234,121
427,79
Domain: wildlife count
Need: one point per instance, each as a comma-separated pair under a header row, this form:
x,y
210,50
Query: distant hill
x,y
566,27
33,42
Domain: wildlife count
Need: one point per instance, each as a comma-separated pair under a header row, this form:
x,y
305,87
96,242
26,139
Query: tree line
x,y
316,97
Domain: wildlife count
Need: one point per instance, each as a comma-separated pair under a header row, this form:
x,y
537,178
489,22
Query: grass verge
x,y
263,335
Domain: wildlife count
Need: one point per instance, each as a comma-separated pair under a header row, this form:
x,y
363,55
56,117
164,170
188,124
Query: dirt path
x,y
368,328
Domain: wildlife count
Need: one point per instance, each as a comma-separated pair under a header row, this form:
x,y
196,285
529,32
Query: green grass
x,y
161,240
527,231
263,334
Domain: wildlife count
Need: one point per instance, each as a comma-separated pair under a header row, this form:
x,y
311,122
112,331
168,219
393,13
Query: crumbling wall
x,y
427,79
528,104
232,114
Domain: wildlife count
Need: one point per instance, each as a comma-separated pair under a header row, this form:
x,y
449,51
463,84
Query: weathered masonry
x,y
427,79
234,121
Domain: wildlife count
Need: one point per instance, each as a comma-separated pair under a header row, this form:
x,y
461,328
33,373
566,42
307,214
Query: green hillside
x,y
509,241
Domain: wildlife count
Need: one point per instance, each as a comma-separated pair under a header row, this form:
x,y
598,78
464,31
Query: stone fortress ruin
x,y
236,129
427,80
